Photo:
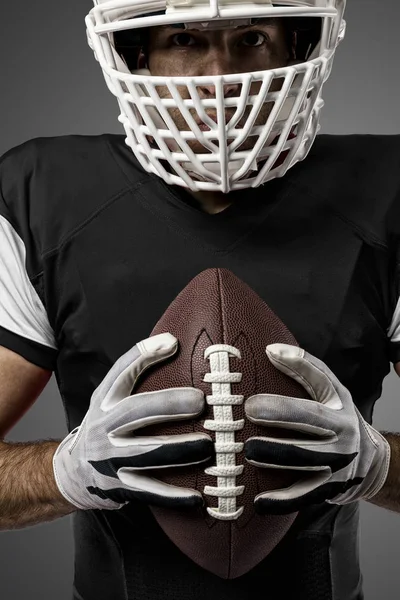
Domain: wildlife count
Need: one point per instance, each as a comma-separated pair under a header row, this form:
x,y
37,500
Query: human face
x,y
185,53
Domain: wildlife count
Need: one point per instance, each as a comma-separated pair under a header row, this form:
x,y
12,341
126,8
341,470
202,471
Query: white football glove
x,y
339,456
104,463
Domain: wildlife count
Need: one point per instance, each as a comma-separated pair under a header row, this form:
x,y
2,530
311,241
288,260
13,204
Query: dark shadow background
x,y
51,85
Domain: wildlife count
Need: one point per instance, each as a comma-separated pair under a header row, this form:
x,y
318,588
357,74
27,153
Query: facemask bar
x,y
119,15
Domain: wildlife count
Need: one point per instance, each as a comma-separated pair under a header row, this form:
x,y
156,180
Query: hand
x,y
339,456
100,464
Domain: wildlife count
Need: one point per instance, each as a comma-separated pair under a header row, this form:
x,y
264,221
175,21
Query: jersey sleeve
x,y
394,335
24,325
393,224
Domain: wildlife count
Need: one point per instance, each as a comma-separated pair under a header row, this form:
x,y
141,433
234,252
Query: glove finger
x,y
127,486
269,453
297,414
316,378
157,452
120,380
313,490
156,492
150,408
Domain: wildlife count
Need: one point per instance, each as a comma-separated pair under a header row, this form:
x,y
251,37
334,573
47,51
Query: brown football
x,y
217,308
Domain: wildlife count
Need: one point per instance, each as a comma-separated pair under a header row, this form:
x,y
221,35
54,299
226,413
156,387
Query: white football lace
x,y
226,470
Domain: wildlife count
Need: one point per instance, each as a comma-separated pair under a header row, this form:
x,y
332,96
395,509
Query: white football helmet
x,y
161,148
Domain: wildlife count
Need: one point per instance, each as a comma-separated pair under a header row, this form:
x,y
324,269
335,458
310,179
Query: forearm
x,y
389,495
28,492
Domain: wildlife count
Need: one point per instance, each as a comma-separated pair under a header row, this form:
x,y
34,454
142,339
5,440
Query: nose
x,y
219,63
229,90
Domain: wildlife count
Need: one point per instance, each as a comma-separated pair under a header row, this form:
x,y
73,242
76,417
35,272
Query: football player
x,y
220,166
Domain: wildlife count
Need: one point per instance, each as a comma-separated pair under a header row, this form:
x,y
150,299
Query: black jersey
x,y
92,252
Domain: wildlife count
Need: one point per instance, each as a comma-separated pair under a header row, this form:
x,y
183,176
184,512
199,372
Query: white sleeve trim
x,y
21,310
394,329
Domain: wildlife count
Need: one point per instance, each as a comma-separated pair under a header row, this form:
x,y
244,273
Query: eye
x,y
254,38
183,39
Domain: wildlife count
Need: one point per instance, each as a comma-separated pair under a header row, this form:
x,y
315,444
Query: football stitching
x,y
226,448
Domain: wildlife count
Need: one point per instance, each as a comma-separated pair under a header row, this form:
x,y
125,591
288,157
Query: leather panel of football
x,y
216,307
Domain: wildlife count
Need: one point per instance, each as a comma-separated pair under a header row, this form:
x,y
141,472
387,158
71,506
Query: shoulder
x,y
357,177
54,184
68,161
382,150
358,159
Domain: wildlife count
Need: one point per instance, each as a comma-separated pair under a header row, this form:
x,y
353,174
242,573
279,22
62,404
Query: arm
x,y
28,492
389,495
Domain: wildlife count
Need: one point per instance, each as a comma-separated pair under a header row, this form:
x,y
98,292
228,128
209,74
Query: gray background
x,y
51,85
